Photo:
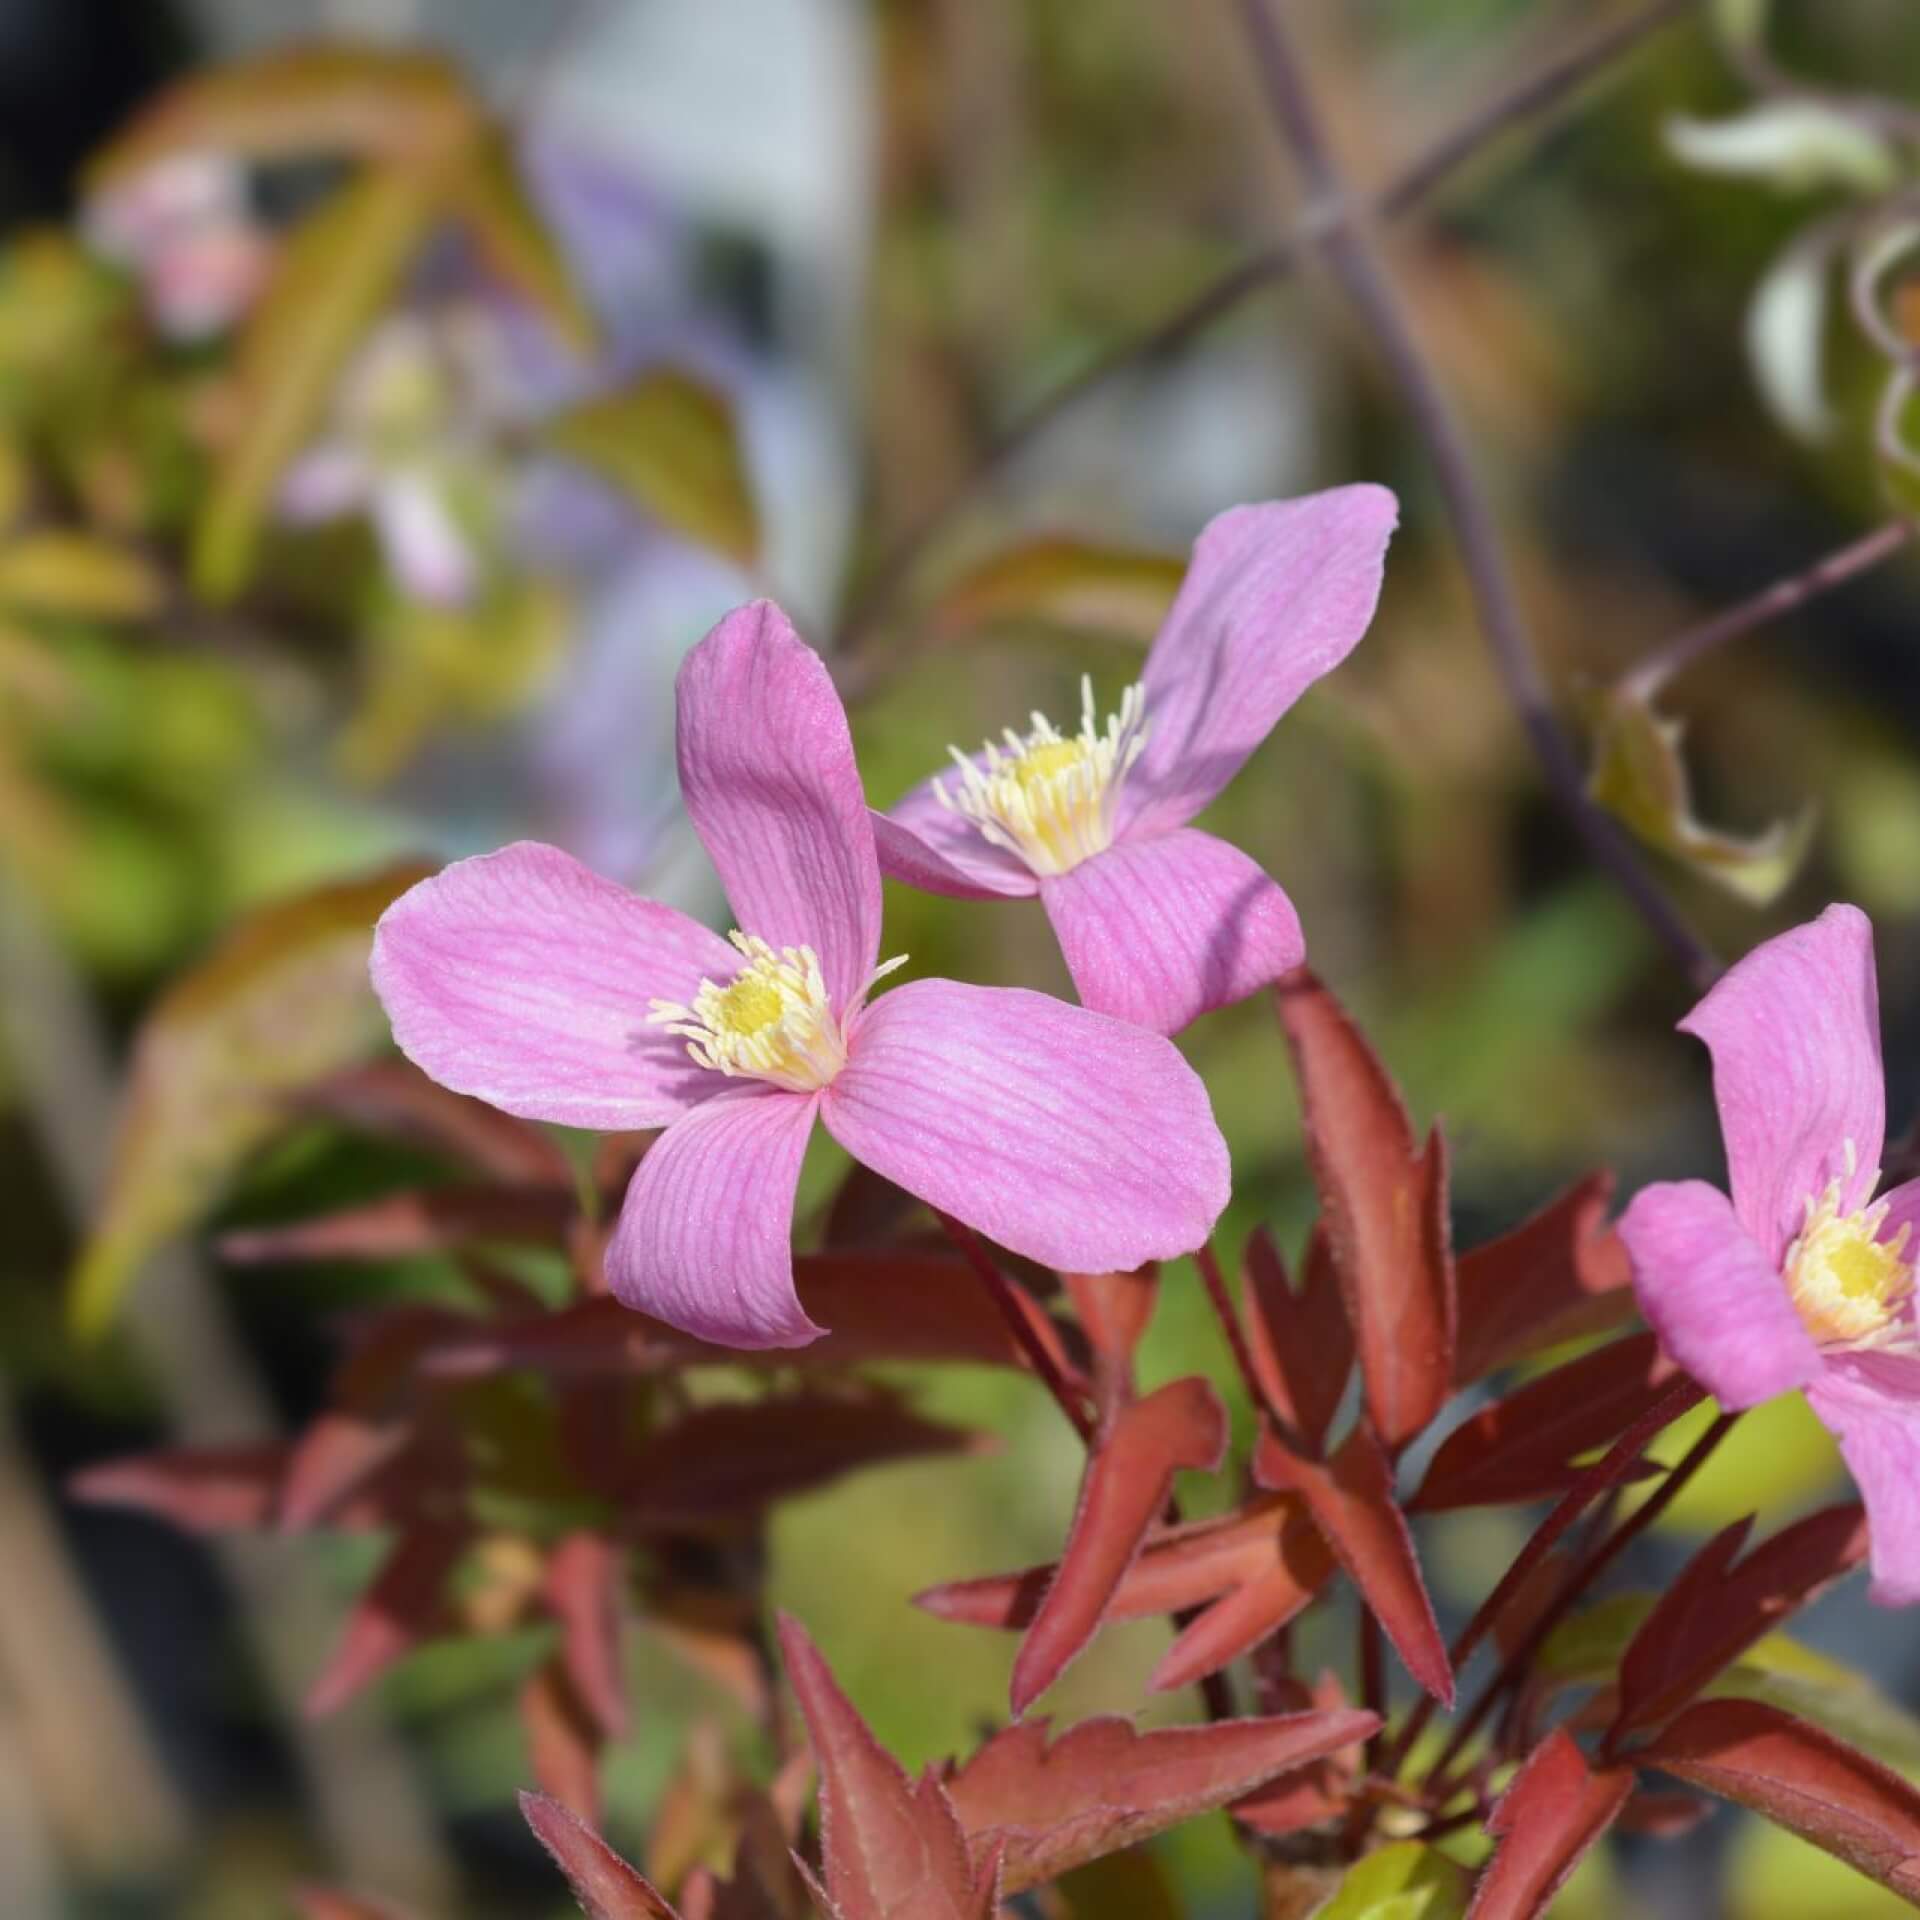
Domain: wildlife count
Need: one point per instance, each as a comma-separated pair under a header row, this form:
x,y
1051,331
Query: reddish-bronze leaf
x,y
420,1220
1385,1207
583,1589
563,1738
718,1462
1524,1447
1301,1342
1351,1500
918,1305
1664,1815
1128,1476
1556,1808
394,1615
394,1098
1113,1310
892,1848
198,1489
1556,1276
332,1460
1102,1786
1716,1610
1802,1778
1312,1795
605,1886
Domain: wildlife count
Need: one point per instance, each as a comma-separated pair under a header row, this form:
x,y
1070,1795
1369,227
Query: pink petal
x,y
1717,1302
927,846
1794,1030
1872,1403
1077,1140
1161,931
1903,1210
524,978
328,480
1276,596
429,551
705,1237
767,772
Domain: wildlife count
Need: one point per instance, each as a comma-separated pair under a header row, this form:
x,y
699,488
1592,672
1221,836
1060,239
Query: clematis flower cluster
x,y
1075,1136
1802,1276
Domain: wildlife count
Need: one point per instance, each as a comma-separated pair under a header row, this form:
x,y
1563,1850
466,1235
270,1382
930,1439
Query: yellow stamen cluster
x,y
1847,1282
1049,798
772,1021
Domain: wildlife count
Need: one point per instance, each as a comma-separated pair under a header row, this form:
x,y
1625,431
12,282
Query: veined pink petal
x,y
523,978
1074,1139
929,847
1715,1299
705,1237
1159,932
1871,1401
1276,596
767,772
1794,1030
1903,1210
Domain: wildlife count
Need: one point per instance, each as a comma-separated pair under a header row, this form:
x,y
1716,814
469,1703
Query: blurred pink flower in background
x,y
529,981
1158,922
1802,1278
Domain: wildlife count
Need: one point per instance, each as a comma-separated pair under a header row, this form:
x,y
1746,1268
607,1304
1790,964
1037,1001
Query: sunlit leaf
x,y
514,242
1786,333
334,275
1405,1881
1639,776
77,576
281,1002
372,102
1792,144
1076,584
669,441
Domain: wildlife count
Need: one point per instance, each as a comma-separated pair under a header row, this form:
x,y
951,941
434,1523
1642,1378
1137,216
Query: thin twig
x,y
1013,1311
1580,1581
1346,244
1605,1474
1537,93
1644,680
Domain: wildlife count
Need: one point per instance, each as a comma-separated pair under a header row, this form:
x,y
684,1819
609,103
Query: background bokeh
x,y
885,228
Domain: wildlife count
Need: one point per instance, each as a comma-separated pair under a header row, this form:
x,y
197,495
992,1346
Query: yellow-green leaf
x,y
77,576
336,273
669,441
515,243
282,1001
1640,778
1066,583
1405,1881
371,102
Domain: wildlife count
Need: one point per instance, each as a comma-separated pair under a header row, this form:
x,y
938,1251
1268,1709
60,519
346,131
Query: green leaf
x,y
1069,583
514,242
1405,1881
1639,777
336,273
669,442
371,102
282,1001
77,576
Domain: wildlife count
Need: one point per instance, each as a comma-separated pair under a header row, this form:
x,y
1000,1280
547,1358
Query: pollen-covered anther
x,y
1847,1283
1047,797
772,1021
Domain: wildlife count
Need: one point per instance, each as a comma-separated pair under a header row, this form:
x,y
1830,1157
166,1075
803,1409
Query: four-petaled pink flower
x,y
1160,923
1803,1278
526,979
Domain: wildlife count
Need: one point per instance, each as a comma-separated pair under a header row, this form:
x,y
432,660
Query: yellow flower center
x,y
772,1021
1847,1282
1046,797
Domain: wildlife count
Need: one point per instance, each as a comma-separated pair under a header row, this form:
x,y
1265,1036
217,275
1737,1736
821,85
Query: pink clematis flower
x,y
1803,1278
528,980
1158,922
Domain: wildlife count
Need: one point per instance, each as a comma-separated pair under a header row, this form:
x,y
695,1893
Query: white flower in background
x,y
187,232
415,445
